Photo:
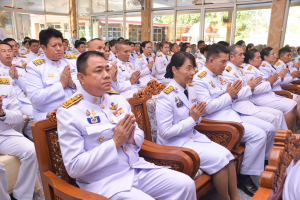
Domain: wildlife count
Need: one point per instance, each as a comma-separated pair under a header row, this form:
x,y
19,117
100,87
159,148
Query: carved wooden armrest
x,y
292,88
286,94
297,82
64,190
191,153
239,150
168,156
262,194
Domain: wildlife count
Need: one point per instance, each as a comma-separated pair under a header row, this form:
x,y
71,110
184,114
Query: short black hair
x,y
184,44
120,38
200,42
249,55
78,44
249,46
33,41
240,42
206,48
6,44
144,45
120,43
284,50
46,35
226,44
215,50
177,61
265,52
130,43
184,48
74,31
8,40
82,39
26,38
298,49
112,43
83,58
25,42
65,39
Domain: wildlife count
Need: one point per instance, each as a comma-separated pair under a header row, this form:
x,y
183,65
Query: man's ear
x,y
43,47
80,77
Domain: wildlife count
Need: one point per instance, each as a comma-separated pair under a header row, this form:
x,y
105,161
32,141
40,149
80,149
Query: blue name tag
x,y
94,120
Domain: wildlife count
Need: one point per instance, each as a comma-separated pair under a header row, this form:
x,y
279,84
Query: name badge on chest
x,y
178,101
94,120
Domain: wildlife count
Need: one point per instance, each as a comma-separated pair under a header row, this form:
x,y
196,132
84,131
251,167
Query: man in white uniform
x,y
34,50
174,48
201,44
133,55
18,59
219,100
15,144
100,146
51,78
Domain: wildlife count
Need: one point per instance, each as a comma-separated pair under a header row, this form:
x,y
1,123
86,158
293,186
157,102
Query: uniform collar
x,y
90,98
121,62
50,61
208,71
232,65
176,86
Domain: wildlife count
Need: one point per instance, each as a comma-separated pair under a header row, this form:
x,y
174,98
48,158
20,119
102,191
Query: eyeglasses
x,y
274,54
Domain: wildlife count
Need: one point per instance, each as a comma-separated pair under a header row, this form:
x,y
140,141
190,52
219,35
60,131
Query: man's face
x,y
34,47
219,63
286,57
96,45
81,48
54,50
238,58
75,34
15,48
137,47
97,79
124,53
175,48
67,42
6,54
132,48
201,45
65,45
26,45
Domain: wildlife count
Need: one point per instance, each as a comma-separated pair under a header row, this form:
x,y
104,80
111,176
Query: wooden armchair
x,y
285,94
59,185
285,149
224,133
292,88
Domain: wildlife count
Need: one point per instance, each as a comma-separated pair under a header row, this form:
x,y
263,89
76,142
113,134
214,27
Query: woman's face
x,y
106,52
185,73
165,49
189,50
256,61
244,47
272,57
147,49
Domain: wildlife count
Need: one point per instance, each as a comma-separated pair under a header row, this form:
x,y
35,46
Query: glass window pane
x,y
36,5
218,25
161,3
57,6
133,24
84,6
252,23
20,27
60,23
189,2
6,4
116,23
26,25
132,4
188,26
163,22
114,5
84,27
293,26
99,27
32,25
7,23
98,5
218,1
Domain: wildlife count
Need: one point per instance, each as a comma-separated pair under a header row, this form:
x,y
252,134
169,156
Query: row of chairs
x,y
59,185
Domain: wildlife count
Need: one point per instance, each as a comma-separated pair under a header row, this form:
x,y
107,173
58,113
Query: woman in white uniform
x,y
177,113
200,61
161,62
263,94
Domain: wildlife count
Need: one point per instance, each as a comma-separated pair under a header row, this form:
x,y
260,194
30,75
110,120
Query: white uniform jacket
x,y
85,132
200,61
161,63
141,64
268,69
132,58
175,125
31,56
280,65
243,104
112,57
297,59
123,84
212,90
24,50
43,84
11,108
19,60
198,53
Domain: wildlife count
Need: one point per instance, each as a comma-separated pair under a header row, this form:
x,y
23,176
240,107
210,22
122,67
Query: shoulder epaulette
x,y
228,69
4,81
20,66
199,57
278,63
72,101
68,56
159,55
22,56
249,68
241,67
114,62
140,56
197,51
39,61
150,55
263,65
112,92
202,74
190,84
168,89
170,54
298,58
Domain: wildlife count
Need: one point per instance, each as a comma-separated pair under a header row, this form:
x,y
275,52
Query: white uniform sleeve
x,y
13,112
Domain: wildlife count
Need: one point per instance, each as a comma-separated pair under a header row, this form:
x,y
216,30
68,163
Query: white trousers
x,y
255,144
284,104
164,184
279,123
267,127
23,149
3,184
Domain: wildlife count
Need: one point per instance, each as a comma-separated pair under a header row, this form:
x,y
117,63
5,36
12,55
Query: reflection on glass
x,y
218,25
162,3
188,26
130,5
133,27
115,27
6,4
218,1
84,27
7,23
57,6
252,23
163,26
189,2
99,27
114,5
293,26
30,25
36,5
60,23
84,6
98,5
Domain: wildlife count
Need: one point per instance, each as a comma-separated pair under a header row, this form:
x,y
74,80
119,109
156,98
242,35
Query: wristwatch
x,y
74,86
3,114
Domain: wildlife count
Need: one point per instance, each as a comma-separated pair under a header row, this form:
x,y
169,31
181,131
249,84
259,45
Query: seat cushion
x,y
11,165
151,109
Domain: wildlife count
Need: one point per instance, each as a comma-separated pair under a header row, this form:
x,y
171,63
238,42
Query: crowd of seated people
x,y
218,82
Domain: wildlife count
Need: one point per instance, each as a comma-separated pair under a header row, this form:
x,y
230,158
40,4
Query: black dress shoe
x,y
246,184
12,197
266,162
